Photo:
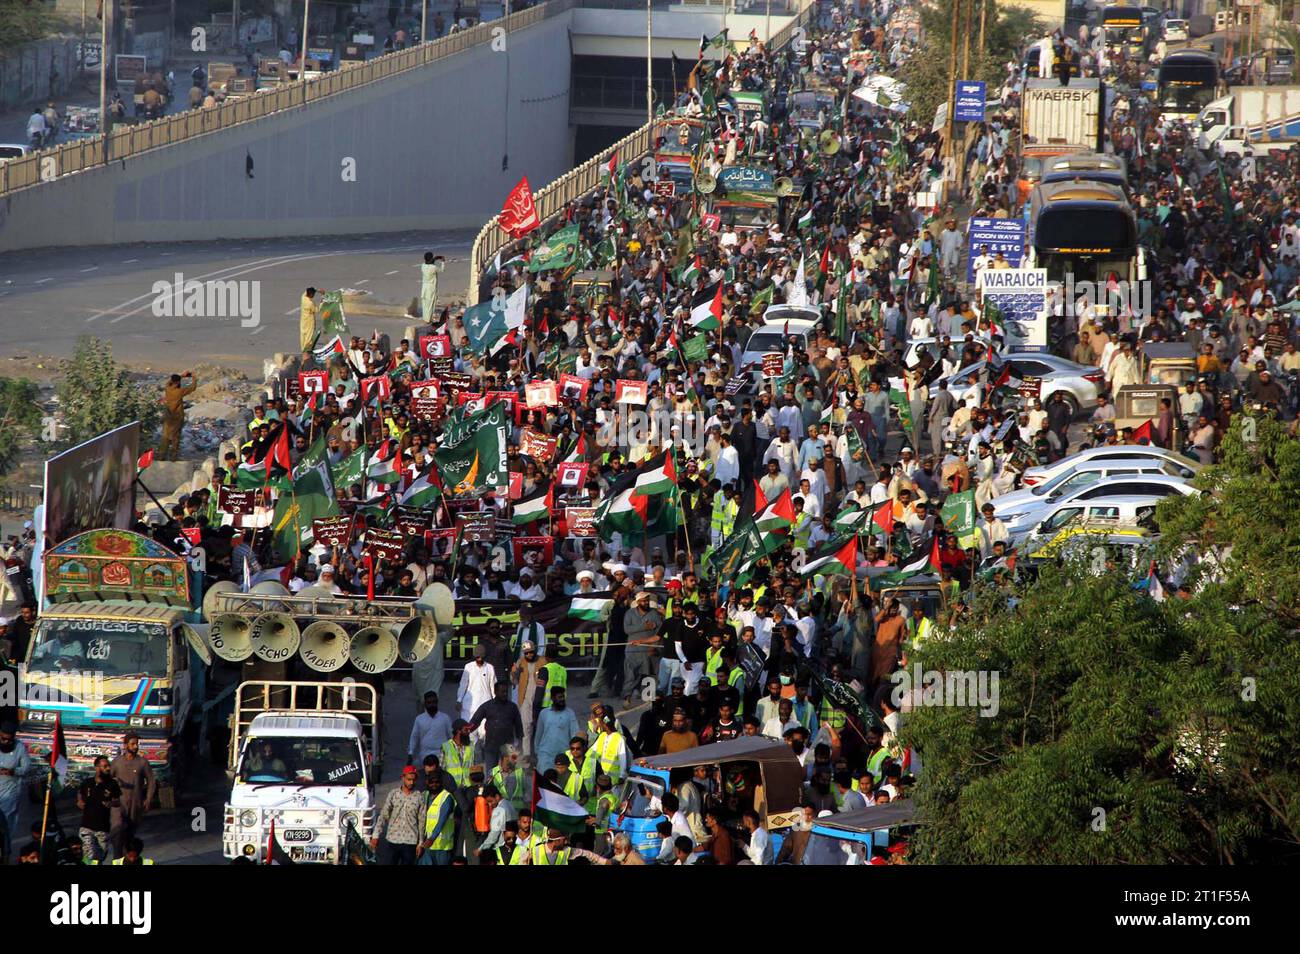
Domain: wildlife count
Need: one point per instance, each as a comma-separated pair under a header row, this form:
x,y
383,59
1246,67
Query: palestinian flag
x,y
330,348
385,463
852,519
272,467
422,492
555,810
837,557
535,507
924,560
706,309
623,511
610,167
658,475
1005,382
581,612
824,268
883,517
805,220
1155,589
693,270
58,753
777,516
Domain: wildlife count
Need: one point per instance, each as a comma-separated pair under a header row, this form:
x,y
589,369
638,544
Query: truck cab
x,y
303,767
113,651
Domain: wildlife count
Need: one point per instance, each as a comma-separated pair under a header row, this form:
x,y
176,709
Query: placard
x,y
537,446
381,387
630,392
435,346
425,409
970,102
313,382
535,553
540,394
332,531
516,485
572,474
1000,235
384,544
1031,387
241,502
1021,295
477,527
665,188
581,521
411,523
735,385
574,388
460,380
773,364
431,388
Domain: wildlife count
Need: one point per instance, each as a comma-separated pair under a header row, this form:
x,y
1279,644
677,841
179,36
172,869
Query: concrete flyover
x,y
435,147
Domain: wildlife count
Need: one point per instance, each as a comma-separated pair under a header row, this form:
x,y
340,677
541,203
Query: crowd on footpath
x,y
700,646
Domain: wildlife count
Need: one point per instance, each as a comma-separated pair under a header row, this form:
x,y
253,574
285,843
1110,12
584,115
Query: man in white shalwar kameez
x,y
429,271
476,687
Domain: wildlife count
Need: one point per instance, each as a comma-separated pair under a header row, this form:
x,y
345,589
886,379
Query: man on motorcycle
x,y
36,128
52,121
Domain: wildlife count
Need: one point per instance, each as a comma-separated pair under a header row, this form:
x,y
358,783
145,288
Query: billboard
x,y
1021,295
1000,235
970,102
91,486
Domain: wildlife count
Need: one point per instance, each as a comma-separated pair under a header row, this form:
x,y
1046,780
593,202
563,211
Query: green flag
x,y
312,498
350,470
475,456
932,291
1228,205
558,251
332,319
899,400
761,300
958,515
842,303
696,348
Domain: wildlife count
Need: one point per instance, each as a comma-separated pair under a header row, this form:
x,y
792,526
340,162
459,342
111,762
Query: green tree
x,y
1131,731
96,394
22,23
20,418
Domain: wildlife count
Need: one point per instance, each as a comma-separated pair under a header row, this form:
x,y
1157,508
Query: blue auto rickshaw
x,y
755,772
854,838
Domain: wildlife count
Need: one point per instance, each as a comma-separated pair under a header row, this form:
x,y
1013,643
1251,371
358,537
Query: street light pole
x,y
306,13
105,36
424,21
649,62
767,25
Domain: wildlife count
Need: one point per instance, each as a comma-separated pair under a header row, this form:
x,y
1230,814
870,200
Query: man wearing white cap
x,y
326,579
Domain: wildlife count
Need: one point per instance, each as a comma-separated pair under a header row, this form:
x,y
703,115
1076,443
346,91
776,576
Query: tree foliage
x,y
22,23
20,418
96,394
926,76
1128,730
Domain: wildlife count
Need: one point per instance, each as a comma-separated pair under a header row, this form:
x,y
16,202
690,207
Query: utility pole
x,y
105,51
948,150
984,6
424,20
649,63
965,74
302,69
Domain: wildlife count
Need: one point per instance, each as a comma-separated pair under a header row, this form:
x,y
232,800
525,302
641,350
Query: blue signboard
x,y
970,101
1000,235
745,179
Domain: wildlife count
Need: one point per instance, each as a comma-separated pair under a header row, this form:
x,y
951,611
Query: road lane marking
x,y
93,268
130,261
42,281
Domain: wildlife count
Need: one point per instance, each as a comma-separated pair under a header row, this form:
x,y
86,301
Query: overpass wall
x,y
428,148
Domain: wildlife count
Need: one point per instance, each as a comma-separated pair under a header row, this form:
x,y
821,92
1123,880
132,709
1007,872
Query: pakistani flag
x,y
716,42
476,458
421,494
312,498
837,557
958,515
706,309
488,322
533,507
558,251
555,810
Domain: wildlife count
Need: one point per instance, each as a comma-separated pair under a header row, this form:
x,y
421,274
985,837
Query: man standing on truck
x,y
135,777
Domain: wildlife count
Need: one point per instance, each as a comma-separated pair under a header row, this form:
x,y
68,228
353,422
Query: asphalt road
x,y
50,297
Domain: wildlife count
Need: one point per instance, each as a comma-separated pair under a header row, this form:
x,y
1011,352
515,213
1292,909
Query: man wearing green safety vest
x,y
439,825
556,677
554,851
608,753
606,807
508,777
876,755
458,761
568,778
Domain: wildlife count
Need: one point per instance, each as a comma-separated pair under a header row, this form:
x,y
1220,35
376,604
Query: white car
x,y
1176,31
779,323
1082,475
1121,511
13,150
1023,518
916,346
1034,476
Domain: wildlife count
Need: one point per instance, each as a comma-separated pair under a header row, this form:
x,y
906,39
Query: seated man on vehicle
x,y
263,761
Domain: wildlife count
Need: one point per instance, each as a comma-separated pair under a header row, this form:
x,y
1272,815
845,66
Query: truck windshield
x,y
304,760
747,216
116,648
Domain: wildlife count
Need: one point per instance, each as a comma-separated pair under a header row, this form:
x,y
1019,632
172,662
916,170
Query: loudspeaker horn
x,y
438,600
324,646
270,588
373,649
417,639
229,637
705,183
784,186
275,636
828,142
211,598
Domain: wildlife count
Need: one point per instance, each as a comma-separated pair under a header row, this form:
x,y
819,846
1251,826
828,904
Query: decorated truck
x,y
113,652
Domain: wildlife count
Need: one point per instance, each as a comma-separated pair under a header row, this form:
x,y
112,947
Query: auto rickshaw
x,y
1136,404
757,773
855,838
1169,362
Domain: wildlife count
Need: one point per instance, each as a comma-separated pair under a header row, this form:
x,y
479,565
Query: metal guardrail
x,y
68,158
577,182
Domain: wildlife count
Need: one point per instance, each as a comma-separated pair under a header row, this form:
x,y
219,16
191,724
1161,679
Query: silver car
x,y
1081,475
1079,383
1113,453
1020,519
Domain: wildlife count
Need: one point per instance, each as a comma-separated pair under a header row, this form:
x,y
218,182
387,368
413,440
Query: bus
x,y
1187,82
1124,30
1084,232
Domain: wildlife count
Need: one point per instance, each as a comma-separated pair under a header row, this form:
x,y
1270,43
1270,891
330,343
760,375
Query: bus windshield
x,y
1186,87
1103,229
116,648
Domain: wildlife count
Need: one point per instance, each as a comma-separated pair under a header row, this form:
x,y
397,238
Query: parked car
x,y
1176,30
1081,475
1023,519
1037,475
13,150
1136,510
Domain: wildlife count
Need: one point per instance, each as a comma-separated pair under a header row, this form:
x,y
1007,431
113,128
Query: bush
x,y
96,395
20,417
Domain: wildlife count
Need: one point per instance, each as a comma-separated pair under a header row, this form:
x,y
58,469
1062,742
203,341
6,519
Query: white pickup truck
x,y
303,761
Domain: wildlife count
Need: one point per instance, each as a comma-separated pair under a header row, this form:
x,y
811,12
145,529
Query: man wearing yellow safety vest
x,y
606,807
569,778
608,753
723,516
554,851
457,759
439,825
508,777
133,854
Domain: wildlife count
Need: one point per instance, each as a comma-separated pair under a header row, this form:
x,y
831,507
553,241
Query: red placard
x,y
381,387
581,521
572,474
630,392
384,544
431,388
425,409
537,446
313,382
574,388
536,553
711,221
516,488
665,188
435,346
